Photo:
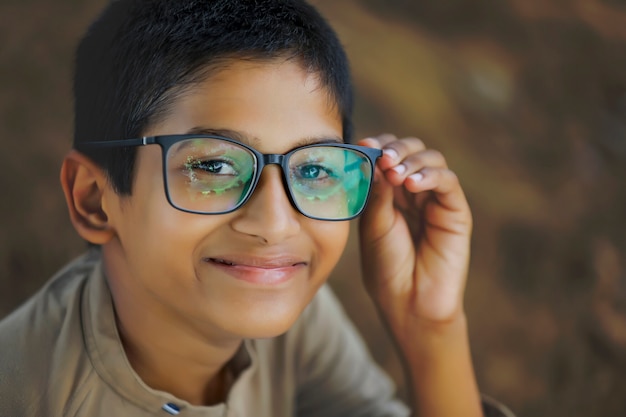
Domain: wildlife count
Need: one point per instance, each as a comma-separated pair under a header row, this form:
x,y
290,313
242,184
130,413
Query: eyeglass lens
x,y
209,175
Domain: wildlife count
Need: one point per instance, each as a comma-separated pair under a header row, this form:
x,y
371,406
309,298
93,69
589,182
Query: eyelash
x,y
198,164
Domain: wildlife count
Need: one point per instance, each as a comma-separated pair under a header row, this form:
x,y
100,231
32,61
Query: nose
x,y
268,215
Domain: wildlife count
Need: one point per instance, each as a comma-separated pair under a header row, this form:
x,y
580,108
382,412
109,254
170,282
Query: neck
x,y
198,378
171,354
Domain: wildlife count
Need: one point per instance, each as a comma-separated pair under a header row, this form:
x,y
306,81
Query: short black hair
x,y
140,55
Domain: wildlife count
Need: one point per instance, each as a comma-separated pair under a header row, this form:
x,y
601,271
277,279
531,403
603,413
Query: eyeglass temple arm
x,y
146,140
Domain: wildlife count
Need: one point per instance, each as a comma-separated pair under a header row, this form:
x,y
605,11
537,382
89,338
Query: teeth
x,y
228,263
221,261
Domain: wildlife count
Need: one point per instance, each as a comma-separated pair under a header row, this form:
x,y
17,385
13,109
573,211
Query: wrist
x,y
421,340
404,323
438,367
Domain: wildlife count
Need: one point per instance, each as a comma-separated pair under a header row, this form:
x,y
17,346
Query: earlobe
x,y
84,185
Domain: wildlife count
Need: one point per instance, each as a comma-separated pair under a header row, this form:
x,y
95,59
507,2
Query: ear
x,y
84,184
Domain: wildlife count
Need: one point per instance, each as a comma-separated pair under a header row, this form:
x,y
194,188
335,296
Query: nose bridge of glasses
x,y
272,158
276,159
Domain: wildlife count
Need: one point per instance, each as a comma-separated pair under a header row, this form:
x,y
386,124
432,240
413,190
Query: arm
x,y
415,239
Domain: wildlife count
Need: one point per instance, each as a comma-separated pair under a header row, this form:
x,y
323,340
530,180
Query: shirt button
x,y
171,408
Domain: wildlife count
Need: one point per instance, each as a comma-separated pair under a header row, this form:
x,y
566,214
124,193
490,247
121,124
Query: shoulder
x,y
42,335
41,316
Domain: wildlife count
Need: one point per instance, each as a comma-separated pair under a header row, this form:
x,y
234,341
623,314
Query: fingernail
x,y
391,153
417,177
399,169
373,139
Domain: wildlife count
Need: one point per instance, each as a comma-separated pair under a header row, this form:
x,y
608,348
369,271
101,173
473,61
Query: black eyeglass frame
x,y
262,160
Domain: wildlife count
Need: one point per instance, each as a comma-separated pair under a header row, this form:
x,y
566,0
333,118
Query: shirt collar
x,y
109,360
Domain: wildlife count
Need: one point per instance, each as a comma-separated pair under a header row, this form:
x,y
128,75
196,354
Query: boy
x,y
211,175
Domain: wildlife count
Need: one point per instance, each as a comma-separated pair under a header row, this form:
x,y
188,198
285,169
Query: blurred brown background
x,y
527,98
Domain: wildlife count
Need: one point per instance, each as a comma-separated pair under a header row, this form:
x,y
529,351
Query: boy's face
x,y
249,273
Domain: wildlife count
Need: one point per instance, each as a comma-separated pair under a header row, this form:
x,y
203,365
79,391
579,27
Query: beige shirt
x,y
61,355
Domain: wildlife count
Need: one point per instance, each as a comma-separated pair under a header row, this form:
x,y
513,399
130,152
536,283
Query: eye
x,y
312,172
212,166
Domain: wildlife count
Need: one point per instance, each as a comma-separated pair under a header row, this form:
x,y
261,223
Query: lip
x,y
266,270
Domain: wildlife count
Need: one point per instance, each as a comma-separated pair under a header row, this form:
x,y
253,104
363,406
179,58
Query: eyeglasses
x,y
208,174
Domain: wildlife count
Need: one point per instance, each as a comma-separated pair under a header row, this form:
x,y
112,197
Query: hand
x,y
415,235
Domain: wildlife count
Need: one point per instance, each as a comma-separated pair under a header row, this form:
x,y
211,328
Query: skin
x,y
414,237
415,244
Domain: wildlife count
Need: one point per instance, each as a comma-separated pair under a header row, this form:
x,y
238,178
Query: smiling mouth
x,y
260,271
265,264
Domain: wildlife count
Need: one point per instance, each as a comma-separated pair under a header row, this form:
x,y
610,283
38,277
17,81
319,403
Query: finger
x,y
414,163
394,152
386,138
378,142
370,143
443,182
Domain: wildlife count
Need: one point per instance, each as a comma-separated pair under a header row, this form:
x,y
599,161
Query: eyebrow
x,y
255,141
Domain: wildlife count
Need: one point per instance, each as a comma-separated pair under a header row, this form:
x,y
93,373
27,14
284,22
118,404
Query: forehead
x,y
273,104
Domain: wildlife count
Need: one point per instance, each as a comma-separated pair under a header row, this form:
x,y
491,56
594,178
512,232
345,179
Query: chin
x,y
266,332
267,324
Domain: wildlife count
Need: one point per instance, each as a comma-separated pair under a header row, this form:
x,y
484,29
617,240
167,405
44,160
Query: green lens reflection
x,y
209,175
329,182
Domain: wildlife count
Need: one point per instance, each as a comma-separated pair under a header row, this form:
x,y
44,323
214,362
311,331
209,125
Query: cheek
x,y
151,232
330,239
